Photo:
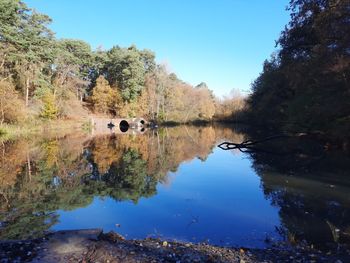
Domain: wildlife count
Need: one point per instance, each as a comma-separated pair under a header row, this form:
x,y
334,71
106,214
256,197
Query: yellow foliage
x,y
105,99
49,110
230,107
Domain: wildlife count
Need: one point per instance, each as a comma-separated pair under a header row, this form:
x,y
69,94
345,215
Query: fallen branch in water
x,y
246,146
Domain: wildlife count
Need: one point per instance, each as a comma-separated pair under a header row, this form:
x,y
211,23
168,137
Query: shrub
x,y
12,108
49,110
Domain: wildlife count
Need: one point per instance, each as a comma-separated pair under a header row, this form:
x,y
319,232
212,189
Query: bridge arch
x,y
124,126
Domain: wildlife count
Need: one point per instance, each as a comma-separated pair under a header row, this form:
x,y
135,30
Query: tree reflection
x,y
310,186
64,173
125,179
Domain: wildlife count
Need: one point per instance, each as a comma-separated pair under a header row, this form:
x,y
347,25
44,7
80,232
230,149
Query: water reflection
x,y
310,185
178,183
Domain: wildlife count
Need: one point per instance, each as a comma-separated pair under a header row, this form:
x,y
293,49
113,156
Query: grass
x,y
35,127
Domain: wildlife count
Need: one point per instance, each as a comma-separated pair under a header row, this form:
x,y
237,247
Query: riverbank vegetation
x,y
45,78
305,85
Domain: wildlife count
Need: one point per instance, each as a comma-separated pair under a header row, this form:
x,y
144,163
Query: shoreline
x,y
11,131
92,245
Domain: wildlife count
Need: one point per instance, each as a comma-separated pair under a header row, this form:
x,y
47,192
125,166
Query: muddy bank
x,y
94,246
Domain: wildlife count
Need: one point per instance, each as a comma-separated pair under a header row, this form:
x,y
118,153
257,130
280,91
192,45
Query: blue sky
x,y
220,42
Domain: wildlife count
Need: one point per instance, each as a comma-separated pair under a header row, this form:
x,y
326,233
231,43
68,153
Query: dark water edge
x,y
59,183
308,167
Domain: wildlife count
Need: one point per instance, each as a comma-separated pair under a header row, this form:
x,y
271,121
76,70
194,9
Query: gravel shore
x,y
95,246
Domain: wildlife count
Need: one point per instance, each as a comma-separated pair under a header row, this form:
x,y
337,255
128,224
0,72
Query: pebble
x,y
189,252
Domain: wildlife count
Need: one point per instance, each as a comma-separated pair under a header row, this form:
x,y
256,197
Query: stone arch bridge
x,y
118,125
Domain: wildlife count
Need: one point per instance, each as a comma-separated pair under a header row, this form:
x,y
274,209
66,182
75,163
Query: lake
x,y
176,184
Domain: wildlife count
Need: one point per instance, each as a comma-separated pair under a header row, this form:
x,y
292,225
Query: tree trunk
x,y
2,117
29,168
187,114
27,91
2,112
157,108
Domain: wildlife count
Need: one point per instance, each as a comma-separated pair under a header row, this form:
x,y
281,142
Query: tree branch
x,y
246,146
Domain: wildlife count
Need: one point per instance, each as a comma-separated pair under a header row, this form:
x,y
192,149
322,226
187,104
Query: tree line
x,y
42,77
305,85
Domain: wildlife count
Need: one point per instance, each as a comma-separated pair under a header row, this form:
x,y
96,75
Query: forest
x,y
290,159
303,88
305,85
45,78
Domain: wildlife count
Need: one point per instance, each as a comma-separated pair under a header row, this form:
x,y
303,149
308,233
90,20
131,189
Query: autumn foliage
x,y
305,85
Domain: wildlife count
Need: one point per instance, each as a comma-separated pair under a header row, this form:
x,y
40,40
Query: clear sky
x,y
220,42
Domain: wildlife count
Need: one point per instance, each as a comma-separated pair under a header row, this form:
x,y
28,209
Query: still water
x,y
173,183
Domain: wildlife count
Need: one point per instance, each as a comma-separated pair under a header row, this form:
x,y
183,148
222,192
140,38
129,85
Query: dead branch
x,y
248,145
